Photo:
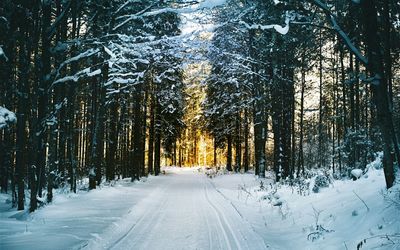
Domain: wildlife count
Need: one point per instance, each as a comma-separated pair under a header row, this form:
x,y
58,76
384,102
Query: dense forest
x,y
103,90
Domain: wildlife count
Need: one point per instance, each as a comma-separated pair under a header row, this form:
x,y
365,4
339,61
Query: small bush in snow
x,y
210,172
214,172
318,233
262,187
319,230
392,196
301,185
321,181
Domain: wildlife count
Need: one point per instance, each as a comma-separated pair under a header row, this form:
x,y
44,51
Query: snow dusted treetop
x,y
6,118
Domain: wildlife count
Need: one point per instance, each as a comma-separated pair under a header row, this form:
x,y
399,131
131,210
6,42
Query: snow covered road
x,y
179,210
184,212
184,209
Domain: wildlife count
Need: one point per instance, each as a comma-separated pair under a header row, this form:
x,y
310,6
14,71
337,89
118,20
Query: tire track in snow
x,y
244,220
219,226
152,224
144,223
210,240
223,222
138,225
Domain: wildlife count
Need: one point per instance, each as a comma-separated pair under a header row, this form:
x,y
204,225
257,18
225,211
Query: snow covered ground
x,y
334,218
72,219
184,209
187,214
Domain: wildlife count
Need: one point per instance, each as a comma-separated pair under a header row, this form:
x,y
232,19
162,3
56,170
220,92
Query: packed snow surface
x,y
187,212
185,209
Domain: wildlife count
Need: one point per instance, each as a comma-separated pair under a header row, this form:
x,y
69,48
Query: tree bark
x,y
379,86
229,154
238,144
300,159
138,132
246,141
150,154
157,140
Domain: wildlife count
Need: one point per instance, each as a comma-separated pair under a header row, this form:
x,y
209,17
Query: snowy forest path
x,y
184,212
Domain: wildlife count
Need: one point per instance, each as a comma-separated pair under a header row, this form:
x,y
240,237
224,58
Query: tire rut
x,y
226,227
153,213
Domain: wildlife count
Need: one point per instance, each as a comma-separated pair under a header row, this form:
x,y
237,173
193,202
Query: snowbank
x,y
71,220
346,215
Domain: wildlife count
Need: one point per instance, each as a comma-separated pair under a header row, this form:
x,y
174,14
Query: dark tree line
x,y
321,84
93,85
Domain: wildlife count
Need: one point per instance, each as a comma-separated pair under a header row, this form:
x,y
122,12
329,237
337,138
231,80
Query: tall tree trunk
x,y
293,131
72,133
97,147
157,140
150,154
21,125
259,133
321,105
238,144
138,133
215,152
41,134
144,129
112,136
300,159
229,154
259,115
357,107
387,57
246,141
379,86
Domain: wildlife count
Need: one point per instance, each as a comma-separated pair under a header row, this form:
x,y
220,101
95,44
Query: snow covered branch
x,y
85,54
6,118
2,54
75,78
207,4
332,19
278,28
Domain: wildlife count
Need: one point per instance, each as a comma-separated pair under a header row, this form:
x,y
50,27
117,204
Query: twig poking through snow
x,y
392,239
361,200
